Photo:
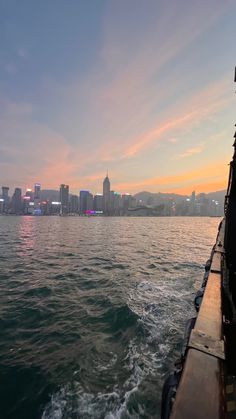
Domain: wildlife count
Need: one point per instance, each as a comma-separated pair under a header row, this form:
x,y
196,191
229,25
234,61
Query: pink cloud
x,y
186,115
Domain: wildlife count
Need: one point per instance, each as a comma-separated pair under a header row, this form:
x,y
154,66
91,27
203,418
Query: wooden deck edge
x,y
200,393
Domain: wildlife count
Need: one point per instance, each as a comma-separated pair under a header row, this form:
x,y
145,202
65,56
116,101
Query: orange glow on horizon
x,y
205,179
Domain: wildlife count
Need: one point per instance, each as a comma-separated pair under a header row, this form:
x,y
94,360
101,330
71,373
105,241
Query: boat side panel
x,y
199,392
209,318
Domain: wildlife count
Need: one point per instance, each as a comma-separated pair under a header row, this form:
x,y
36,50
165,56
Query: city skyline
x,y
38,202
30,188
141,88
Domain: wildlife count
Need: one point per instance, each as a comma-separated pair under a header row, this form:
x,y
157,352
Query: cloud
x,y
31,149
186,115
191,151
132,97
187,181
118,106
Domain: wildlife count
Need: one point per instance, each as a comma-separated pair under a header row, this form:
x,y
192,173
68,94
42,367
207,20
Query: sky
x,y
141,88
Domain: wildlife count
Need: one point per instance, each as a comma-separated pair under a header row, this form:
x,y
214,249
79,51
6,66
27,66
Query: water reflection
x,y
27,237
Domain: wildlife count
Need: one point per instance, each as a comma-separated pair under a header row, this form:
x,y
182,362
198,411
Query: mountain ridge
x,y
146,196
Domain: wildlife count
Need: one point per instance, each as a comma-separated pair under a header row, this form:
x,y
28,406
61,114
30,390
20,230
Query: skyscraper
x,y
29,193
106,195
17,201
98,202
74,203
5,197
37,188
64,198
86,201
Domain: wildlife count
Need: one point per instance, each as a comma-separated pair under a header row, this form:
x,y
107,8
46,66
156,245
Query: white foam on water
x,y
140,362
144,359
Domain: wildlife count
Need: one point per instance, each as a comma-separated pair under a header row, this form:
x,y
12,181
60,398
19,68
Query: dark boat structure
x,y
203,382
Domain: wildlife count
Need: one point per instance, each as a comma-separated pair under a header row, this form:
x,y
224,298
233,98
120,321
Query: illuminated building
x,y
29,193
64,198
45,207
112,203
83,201
98,202
74,204
26,204
37,188
16,202
126,202
55,207
1,205
117,203
192,203
5,197
106,195
86,201
89,202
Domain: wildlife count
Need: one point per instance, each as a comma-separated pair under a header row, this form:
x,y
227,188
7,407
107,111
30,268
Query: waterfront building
x,y
193,203
74,204
64,198
16,202
89,202
29,193
45,208
106,195
126,202
117,203
37,188
83,201
54,207
1,205
26,204
203,204
5,197
112,203
98,202
86,201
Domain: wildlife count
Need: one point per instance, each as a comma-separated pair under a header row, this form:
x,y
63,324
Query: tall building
x,y
117,203
106,195
37,188
86,201
1,205
74,204
192,203
89,202
5,198
98,202
64,198
29,193
112,203
126,202
17,201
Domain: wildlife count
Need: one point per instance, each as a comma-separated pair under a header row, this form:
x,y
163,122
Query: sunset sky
x,y
141,88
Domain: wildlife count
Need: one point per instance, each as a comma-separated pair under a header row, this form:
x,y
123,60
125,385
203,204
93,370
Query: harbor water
x,y
93,311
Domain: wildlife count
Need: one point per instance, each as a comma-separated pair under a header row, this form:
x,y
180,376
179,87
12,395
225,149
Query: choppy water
x,y
93,311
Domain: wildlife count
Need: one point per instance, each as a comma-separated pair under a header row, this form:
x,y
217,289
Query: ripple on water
x,y
93,312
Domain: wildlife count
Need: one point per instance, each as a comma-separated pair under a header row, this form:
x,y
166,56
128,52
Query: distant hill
x,y
218,195
49,195
150,198
147,198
